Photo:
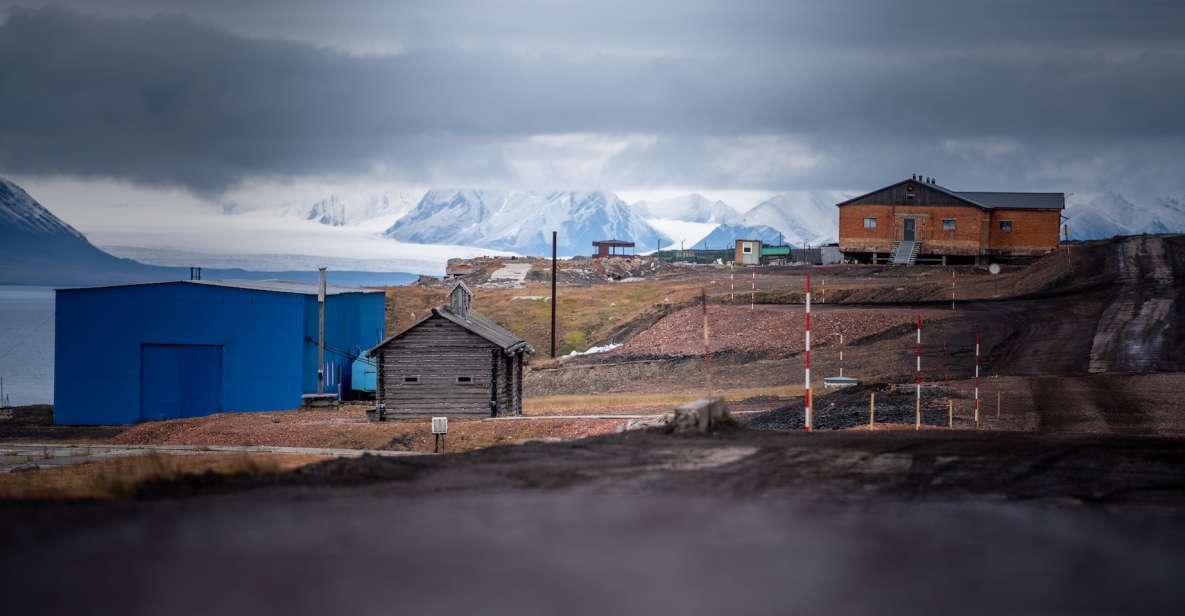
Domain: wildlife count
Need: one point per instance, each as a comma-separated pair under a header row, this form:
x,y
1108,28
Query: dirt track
x,y
750,522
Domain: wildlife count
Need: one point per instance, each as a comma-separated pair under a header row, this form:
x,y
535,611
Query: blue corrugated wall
x,y
265,361
353,324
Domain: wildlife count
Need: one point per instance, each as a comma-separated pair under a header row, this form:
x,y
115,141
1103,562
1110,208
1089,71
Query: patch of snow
x,y
597,349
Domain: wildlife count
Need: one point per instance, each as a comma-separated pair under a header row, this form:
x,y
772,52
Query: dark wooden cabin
x,y
452,362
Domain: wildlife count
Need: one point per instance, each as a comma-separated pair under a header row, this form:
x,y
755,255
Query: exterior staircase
x,y
905,253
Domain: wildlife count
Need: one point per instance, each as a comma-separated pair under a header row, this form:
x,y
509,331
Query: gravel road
x,y
640,523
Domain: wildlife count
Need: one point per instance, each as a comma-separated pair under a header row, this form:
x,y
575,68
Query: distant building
x,y
748,252
140,352
452,362
611,248
456,268
939,224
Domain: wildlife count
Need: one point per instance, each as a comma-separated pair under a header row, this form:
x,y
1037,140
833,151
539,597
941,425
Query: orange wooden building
x,y
916,219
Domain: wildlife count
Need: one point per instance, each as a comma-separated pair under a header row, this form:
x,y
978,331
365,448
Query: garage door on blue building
x,y
180,380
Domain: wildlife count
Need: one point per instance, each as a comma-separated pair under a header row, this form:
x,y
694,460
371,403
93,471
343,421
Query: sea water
x,y
26,343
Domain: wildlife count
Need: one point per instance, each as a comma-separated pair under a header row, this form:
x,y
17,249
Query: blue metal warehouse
x,y
140,352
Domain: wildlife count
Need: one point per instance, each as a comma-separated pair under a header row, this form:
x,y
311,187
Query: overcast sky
x,y
727,98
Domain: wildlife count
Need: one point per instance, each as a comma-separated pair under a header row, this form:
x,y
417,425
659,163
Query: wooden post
x,y
703,297
872,410
998,396
950,410
553,283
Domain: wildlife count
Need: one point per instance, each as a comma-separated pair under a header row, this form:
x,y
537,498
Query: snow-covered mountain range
x,y
38,248
689,208
725,236
522,221
349,210
802,217
1110,213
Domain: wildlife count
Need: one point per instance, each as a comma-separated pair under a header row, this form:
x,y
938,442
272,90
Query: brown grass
x,y
617,403
121,477
585,314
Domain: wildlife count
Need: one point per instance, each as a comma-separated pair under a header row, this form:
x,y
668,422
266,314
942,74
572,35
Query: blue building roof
x,y
276,286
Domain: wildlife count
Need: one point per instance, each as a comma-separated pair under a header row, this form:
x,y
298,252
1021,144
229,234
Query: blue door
x,y
180,380
908,234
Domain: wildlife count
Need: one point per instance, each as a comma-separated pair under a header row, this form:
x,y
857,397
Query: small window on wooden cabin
x,y
746,248
948,224
869,223
464,380
1006,226
411,380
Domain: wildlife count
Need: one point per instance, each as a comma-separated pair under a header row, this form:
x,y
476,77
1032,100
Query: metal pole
x,y
320,330
872,410
841,355
952,290
753,291
732,287
810,414
977,338
918,377
553,294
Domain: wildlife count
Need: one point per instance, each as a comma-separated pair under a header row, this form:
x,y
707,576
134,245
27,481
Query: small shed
x,y
748,252
611,248
452,362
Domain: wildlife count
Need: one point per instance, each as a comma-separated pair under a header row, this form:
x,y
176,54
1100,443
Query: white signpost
x,y
439,429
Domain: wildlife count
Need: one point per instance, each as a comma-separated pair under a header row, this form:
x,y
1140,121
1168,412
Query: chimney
x,y
459,299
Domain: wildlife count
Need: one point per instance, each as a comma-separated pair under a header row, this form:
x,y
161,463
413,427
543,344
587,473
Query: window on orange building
x,y
869,223
948,224
1006,226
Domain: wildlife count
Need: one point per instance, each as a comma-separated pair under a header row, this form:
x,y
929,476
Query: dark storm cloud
x,y
209,96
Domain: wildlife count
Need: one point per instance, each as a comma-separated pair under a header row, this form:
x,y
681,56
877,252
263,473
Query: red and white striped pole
x,y
977,380
753,290
806,395
823,293
917,378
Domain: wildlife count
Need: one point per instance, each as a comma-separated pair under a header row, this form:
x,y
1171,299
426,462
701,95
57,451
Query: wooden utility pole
x,y
703,297
321,330
553,283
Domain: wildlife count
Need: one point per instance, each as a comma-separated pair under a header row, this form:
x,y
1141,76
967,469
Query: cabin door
x,y
907,233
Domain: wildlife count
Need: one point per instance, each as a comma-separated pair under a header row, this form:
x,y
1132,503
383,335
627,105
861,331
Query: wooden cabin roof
x,y
476,323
